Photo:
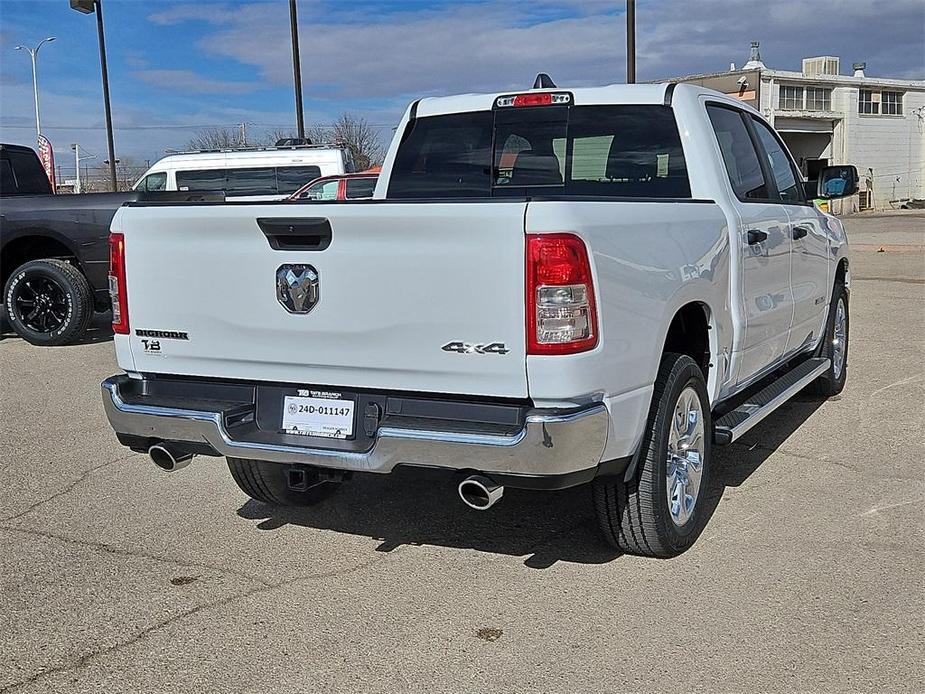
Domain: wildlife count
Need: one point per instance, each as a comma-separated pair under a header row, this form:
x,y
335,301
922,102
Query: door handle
x,y
799,232
756,236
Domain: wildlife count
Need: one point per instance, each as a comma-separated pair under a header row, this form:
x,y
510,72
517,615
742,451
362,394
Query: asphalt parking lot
x,y
117,577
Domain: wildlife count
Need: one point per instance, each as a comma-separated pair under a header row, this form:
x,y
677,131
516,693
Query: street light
x,y
35,84
89,7
76,148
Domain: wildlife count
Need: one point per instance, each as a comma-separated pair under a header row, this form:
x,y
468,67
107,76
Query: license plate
x,y
327,417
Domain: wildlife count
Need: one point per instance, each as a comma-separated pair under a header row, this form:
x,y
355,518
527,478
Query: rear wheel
x,y
277,483
834,347
48,302
660,512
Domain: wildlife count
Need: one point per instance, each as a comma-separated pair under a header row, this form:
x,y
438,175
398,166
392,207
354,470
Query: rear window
x,y
268,180
629,151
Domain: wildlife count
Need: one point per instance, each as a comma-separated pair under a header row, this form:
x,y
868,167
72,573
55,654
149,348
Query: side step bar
x,y
734,424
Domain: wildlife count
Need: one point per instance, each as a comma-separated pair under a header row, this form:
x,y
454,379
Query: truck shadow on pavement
x,y
411,509
99,330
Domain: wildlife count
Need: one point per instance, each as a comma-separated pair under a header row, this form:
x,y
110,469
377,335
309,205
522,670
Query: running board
x,y
734,424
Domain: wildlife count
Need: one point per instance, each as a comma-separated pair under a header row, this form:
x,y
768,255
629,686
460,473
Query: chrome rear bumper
x,y
549,444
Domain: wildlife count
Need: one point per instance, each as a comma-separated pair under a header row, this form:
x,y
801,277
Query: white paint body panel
x,y
397,282
401,279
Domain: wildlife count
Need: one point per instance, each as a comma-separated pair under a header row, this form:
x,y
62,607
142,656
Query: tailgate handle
x,y
298,234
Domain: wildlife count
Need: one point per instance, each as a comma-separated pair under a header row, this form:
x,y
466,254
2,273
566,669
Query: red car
x,y
356,186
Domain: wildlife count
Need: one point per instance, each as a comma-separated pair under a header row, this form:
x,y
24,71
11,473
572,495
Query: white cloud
x,y
189,81
490,46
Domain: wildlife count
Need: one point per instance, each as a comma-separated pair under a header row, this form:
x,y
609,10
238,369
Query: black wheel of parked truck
x,y
278,483
48,302
662,510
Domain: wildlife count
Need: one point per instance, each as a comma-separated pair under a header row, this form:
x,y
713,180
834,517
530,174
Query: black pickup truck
x,y
54,250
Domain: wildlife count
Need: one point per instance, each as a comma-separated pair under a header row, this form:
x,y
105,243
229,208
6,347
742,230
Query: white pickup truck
x,y
549,288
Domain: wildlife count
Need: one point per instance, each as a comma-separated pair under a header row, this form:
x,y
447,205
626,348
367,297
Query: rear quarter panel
x,y
649,259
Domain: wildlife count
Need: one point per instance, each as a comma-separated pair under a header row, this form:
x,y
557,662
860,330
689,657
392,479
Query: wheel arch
x,y
842,274
691,332
35,245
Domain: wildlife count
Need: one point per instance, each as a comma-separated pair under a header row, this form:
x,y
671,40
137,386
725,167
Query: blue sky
x,y
176,66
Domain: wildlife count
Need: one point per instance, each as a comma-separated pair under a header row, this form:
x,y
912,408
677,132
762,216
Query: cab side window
x,y
788,188
155,181
739,156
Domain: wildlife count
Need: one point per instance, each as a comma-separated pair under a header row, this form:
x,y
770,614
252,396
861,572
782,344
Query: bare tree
x,y
355,133
95,179
216,138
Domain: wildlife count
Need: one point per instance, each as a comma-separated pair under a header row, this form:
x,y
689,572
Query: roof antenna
x,y
544,81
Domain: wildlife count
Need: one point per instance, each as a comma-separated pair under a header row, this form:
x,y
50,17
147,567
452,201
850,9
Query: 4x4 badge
x,y
469,348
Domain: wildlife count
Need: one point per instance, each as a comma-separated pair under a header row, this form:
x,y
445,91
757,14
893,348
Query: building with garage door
x,y
875,123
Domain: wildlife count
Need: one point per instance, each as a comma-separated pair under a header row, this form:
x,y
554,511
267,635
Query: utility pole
x,y
296,69
630,41
89,7
76,148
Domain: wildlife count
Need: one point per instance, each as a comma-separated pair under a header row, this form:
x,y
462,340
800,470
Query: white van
x,y
265,173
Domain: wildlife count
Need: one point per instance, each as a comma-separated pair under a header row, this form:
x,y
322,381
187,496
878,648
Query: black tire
x,y
635,516
833,381
60,299
267,482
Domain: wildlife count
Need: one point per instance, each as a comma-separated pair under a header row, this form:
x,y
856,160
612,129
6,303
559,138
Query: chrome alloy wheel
x,y
839,338
685,457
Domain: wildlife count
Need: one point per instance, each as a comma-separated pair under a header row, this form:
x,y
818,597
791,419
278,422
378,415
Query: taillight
x,y
534,99
561,317
117,294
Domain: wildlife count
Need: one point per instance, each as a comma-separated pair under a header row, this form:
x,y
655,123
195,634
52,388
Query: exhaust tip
x,y
479,492
166,458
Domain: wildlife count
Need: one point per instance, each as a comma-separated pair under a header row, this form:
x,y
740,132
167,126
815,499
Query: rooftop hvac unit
x,y
823,65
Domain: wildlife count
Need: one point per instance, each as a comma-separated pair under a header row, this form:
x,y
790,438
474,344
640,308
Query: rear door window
x,y
739,156
257,181
206,179
290,178
359,188
607,151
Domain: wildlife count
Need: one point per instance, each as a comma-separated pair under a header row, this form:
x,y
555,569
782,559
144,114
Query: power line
x,y
175,127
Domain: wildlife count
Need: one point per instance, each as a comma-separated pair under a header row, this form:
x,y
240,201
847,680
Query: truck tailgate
x,y
397,283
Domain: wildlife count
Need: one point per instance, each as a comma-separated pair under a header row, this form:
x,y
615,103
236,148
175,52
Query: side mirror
x,y
837,182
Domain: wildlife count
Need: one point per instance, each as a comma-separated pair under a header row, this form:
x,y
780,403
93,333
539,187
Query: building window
x,y
868,101
791,98
892,103
818,99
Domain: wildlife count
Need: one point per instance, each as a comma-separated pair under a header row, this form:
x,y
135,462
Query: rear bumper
x,y
552,449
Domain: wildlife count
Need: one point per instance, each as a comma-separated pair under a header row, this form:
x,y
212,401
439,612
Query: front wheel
x,y
48,302
660,512
835,347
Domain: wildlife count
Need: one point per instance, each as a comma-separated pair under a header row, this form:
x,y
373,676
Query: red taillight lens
x,y
533,99
117,294
561,315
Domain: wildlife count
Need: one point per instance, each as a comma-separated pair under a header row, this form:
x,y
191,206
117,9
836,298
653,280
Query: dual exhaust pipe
x,y
480,492
476,491
168,457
